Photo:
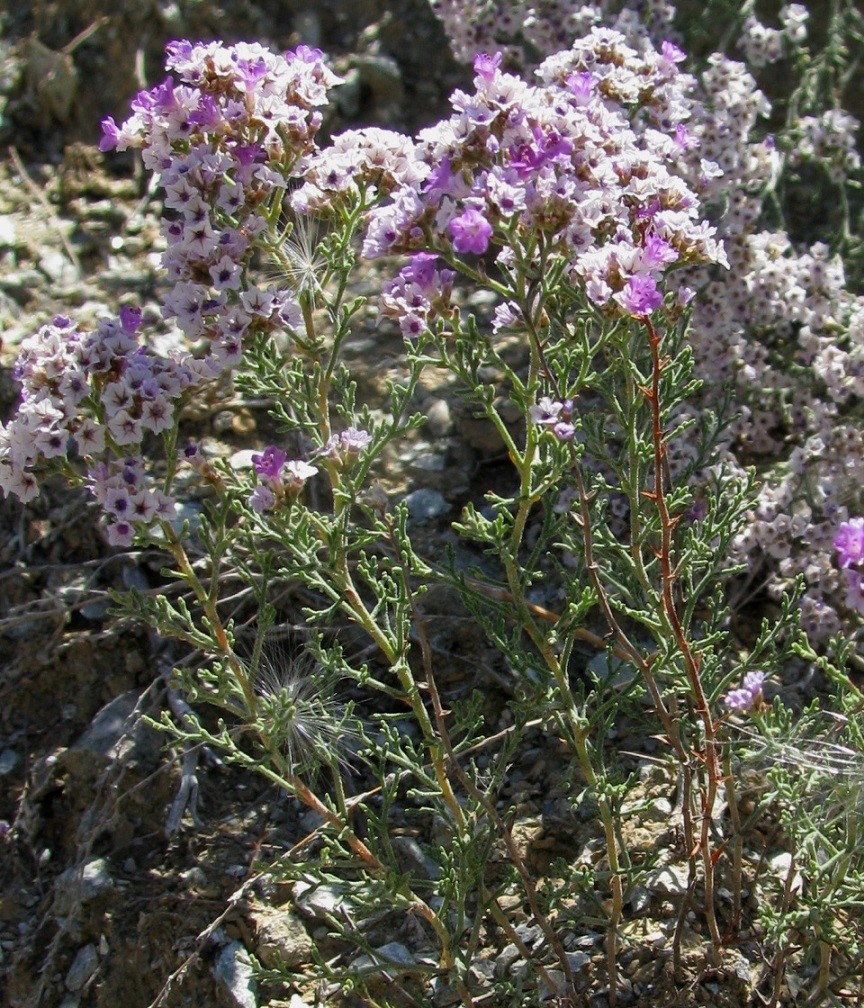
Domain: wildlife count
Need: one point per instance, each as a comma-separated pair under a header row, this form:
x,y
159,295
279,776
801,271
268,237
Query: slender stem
x,y
710,754
487,804
214,621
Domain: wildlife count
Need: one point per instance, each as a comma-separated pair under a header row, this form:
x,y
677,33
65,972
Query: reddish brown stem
x,y
710,755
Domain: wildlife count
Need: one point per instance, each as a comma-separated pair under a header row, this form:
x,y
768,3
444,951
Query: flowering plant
x,y
578,203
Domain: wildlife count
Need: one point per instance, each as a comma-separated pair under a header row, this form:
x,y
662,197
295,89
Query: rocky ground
x,y
101,902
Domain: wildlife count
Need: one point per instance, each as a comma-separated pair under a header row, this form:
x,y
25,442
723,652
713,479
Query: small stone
x,y
505,959
233,970
319,900
670,880
8,234
439,423
429,462
555,986
282,941
425,505
387,958
413,859
58,268
117,730
75,887
84,965
8,761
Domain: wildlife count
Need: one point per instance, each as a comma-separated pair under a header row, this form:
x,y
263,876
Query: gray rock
x,y
77,886
8,234
386,959
117,730
439,422
413,859
233,971
57,267
426,505
281,939
84,965
669,880
319,900
8,761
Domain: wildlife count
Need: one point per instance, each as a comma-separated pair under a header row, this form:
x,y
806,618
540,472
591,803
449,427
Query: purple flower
x,y
110,135
656,252
749,695
130,320
269,463
421,269
849,542
261,499
640,295
470,231
582,85
485,64
350,442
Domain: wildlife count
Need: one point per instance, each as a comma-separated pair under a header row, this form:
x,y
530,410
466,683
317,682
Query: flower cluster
x,y
100,394
417,294
748,696
556,171
359,164
830,140
224,142
778,332
554,416
521,28
849,544
279,478
345,445
124,490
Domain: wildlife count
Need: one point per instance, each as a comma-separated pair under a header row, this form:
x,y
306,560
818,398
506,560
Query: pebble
x,y
58,268
319,900
74,887
425,505
8,234
414,859
439,422
281,940
84,965
8,761
670,880
392,955
233,971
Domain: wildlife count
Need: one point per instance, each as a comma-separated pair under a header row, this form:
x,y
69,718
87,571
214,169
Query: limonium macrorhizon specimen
x,y
582,202
224,142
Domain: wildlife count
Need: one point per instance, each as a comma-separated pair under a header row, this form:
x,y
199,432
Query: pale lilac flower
x,y
296,472
470,231
554,416
262,498
506,316
749,695
354,440
640,295
849,542
120,533
546,411
349,442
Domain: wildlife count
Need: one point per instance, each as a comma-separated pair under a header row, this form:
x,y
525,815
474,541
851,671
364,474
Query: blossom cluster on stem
x,y
556,170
